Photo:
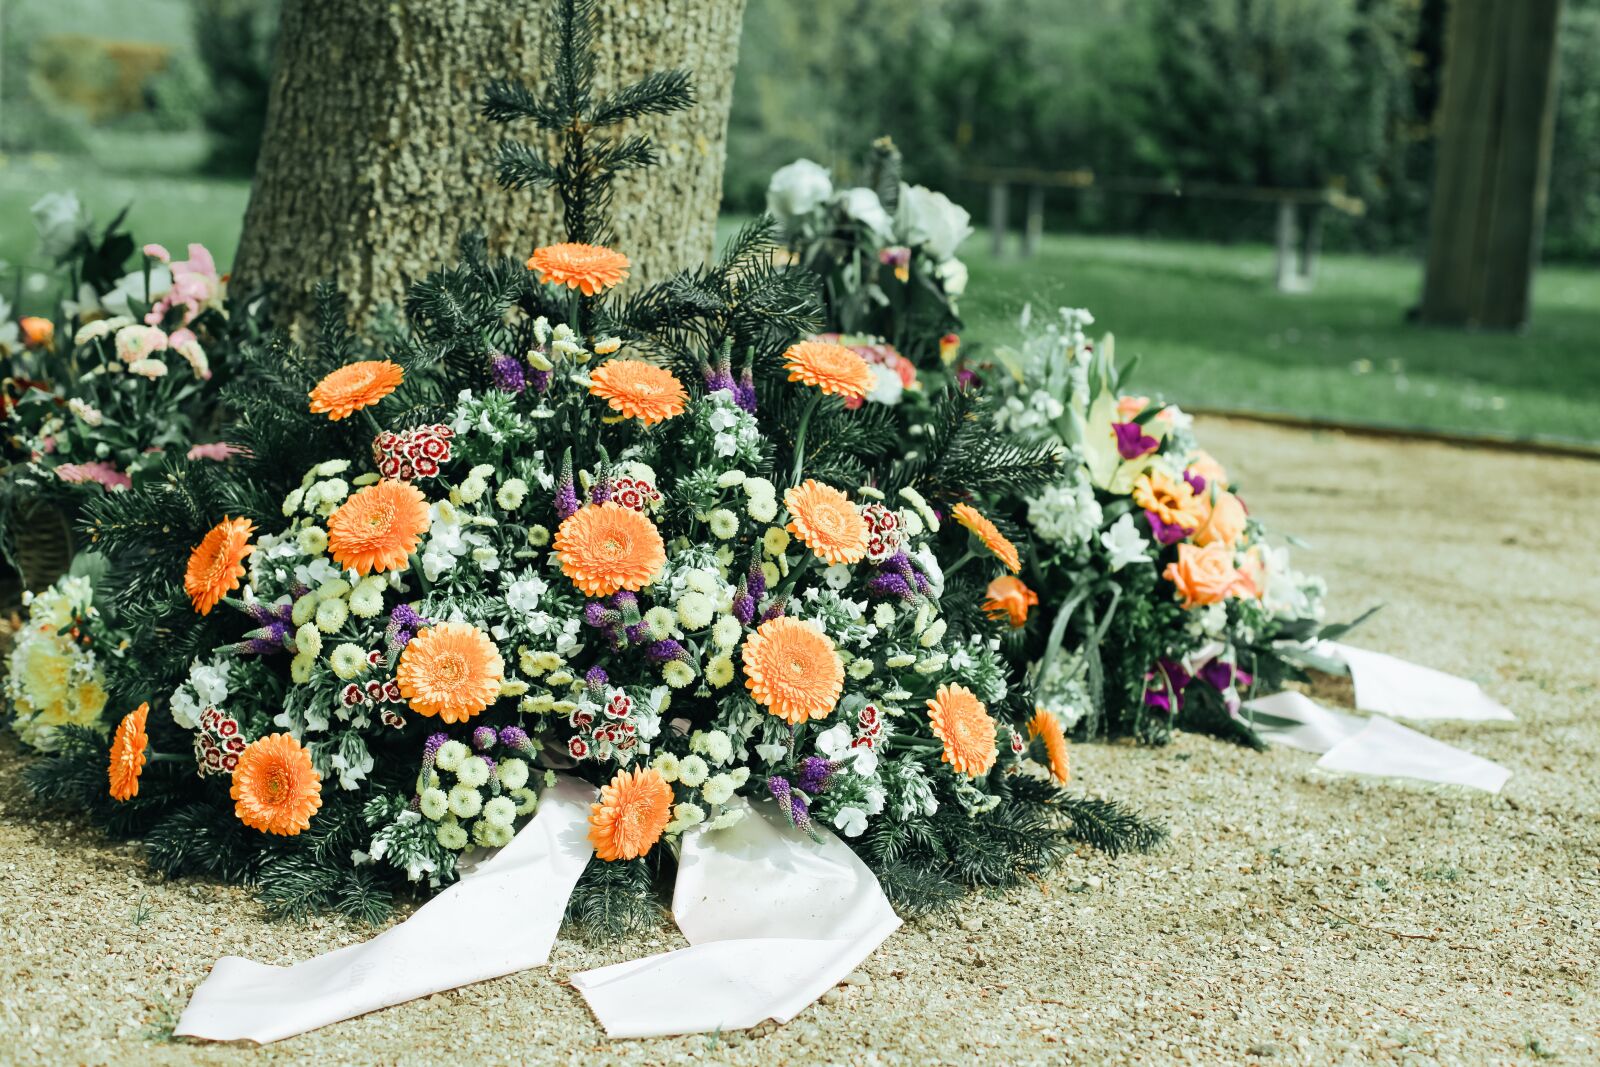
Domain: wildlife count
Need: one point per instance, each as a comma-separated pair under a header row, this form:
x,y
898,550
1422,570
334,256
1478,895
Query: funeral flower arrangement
x,y
125,378
1163,599
885,252
56,670
651,541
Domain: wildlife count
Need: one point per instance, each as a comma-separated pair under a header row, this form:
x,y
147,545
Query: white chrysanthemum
x,y
465,801
692,771
434,804
450,755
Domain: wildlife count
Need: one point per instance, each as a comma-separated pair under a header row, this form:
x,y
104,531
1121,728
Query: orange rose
x,y
1203,575
1223,519
1009,599
1253,575
1129,406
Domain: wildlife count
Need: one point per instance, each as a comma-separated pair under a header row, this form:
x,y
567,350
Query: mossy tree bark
x,y
375,159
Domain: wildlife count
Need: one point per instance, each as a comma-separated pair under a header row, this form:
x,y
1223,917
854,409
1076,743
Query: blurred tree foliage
x,y
1314,93
234,40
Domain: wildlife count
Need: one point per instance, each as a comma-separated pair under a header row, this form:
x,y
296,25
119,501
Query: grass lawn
x,y
1210,330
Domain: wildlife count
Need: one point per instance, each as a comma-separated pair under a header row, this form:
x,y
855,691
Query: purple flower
x,y
792,803
626,601
1196,482
815,774
539,380
636,632
888,584
774,611
600,491
430,749
1166,533
1165,686
483,738
744,608
1132,441
717,378
596,678
507,373
755,583
517,740
744,394
597,615
566,489
665,651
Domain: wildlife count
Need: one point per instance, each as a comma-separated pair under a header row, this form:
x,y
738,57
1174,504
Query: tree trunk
x,y
1492,164
375,158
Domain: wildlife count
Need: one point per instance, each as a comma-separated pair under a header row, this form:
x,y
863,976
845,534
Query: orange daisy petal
x,y
606,547
590,269
451,670
1045,725
355,386
275,788
128,753
1009,599
639,390
633,811
378,527
834,369
1172,499
990,535
960,720
216,565
791,668
827,522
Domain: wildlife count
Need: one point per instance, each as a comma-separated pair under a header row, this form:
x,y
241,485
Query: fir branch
x,y
657,93
613,899
1110,826
507,101
521,166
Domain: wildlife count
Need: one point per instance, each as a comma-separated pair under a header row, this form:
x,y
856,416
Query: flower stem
x,y
962,562
800,437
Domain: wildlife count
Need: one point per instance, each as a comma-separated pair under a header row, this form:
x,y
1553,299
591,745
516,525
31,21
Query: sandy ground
x,y
1296,917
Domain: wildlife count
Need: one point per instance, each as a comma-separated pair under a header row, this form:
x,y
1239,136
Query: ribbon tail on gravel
x,y
523,891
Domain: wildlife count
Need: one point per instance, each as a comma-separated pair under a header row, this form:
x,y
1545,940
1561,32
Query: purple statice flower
x,y
404,623
596,678
1197,482
1166,533
774,610
636,632
539,380
1165,686
596,614
626,601
744,608
744,394
600,491
484,737
1132,441
665,651
815,774
507,373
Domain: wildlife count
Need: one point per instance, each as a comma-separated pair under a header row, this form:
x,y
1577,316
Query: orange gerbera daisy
x,y
990,535
632,812
827,522
960,720
36,332
1171,499
275,788
1009,599
606,547
355,386
451,670
590,269
378,527
127,753
1044,724
832,368
217,563
639,390
791,668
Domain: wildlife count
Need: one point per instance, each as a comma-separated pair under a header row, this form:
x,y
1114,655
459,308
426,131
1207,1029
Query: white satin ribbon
x,y
774,918
1391,686
1375,746
500,919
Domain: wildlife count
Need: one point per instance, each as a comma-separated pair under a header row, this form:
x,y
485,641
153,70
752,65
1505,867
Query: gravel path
x,y
1296,917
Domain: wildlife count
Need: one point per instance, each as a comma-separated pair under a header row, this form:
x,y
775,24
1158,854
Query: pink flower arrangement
x,y
195,284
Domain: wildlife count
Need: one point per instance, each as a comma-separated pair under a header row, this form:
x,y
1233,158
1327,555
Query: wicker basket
x,y
43,543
